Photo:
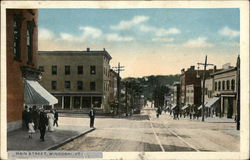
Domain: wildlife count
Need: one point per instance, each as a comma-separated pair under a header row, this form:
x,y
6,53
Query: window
x,y
67,84
223,85
215,86
228,84
54,70
80,69
92,86
79,85
53,85
219,86
67,70
232,84
30,28
41,68
16,37
92,70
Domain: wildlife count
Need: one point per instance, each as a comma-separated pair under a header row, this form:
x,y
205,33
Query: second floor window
x,y
53,85
215,86
219,86
92,86
30,28
79,85
232,84
67,84
54,70
16,37
223,85
92,70
67,70
80,69
228,84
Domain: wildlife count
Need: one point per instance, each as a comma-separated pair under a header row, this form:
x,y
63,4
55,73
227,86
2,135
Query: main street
x,y
145,132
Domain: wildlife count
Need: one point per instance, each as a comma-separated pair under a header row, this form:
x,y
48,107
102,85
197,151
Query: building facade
x,y
225,87
79,79
176,96
21,60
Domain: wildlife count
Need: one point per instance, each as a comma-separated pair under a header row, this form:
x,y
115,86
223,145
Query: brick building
x,y
79,79
22,74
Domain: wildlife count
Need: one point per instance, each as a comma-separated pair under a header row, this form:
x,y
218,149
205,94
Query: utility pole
x,y
238,94
118,69
126,97
203,85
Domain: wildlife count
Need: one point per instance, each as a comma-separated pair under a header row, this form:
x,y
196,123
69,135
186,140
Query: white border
x,y
244,50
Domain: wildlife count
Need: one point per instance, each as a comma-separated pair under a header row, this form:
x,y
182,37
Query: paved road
x,y
147,133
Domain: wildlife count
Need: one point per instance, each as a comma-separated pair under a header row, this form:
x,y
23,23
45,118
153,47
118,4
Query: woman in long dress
x,y
51,121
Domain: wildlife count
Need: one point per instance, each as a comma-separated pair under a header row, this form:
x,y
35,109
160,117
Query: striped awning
x,y
212,101
184,107
35,94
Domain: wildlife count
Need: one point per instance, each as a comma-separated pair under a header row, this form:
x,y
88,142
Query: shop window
x,y
67,70
54,70
80,69
92,86
79,85
53,85
92,70
67,84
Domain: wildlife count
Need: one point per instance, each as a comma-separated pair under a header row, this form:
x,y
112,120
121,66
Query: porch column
x,y
62,102
70,102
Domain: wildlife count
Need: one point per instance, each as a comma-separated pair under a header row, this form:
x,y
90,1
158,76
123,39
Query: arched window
x,y
223,85
232,84
215,86
228,84
219,86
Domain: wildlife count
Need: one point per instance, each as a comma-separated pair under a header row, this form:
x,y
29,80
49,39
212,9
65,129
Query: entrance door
x,y
67,102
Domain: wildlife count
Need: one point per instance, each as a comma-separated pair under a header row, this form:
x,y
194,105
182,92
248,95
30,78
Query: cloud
x,y
228,32
91,32
200,42
163,39
45,34
117,38
159,31
125,25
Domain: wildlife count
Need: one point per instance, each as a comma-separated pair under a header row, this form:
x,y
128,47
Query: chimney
x,y
104,49
88,49
182,70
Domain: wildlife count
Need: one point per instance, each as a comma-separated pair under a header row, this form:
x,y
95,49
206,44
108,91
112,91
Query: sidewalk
x,y
18,140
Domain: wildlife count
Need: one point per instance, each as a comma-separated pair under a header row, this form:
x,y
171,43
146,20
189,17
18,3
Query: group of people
x,y
35,118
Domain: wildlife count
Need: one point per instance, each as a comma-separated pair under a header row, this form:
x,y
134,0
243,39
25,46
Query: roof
x,y
225,70
90,52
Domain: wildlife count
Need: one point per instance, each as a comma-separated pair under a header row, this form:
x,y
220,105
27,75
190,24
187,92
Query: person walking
x,y
35,117
92,117
26,116
51,119
56,118
43,122
158,112
31,128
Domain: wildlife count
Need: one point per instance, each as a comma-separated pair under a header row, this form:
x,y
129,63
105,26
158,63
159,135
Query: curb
x,y
68,140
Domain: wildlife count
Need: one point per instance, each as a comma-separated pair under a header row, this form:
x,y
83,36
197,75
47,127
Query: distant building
x,y
112,86
176,96
22,75
225,88
79,79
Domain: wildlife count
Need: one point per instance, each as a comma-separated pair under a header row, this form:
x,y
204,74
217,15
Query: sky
x,y
145,41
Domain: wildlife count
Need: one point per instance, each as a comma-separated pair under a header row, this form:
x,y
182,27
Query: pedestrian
x,y
43,122
31,128
158,112
56,118
51,119
92,117
26,116
35,117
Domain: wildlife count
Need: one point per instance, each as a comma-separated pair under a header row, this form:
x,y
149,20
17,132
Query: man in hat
x,y
43,122
92,117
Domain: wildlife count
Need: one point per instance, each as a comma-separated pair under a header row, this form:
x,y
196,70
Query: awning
x,y
184,107
35,94
212,101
